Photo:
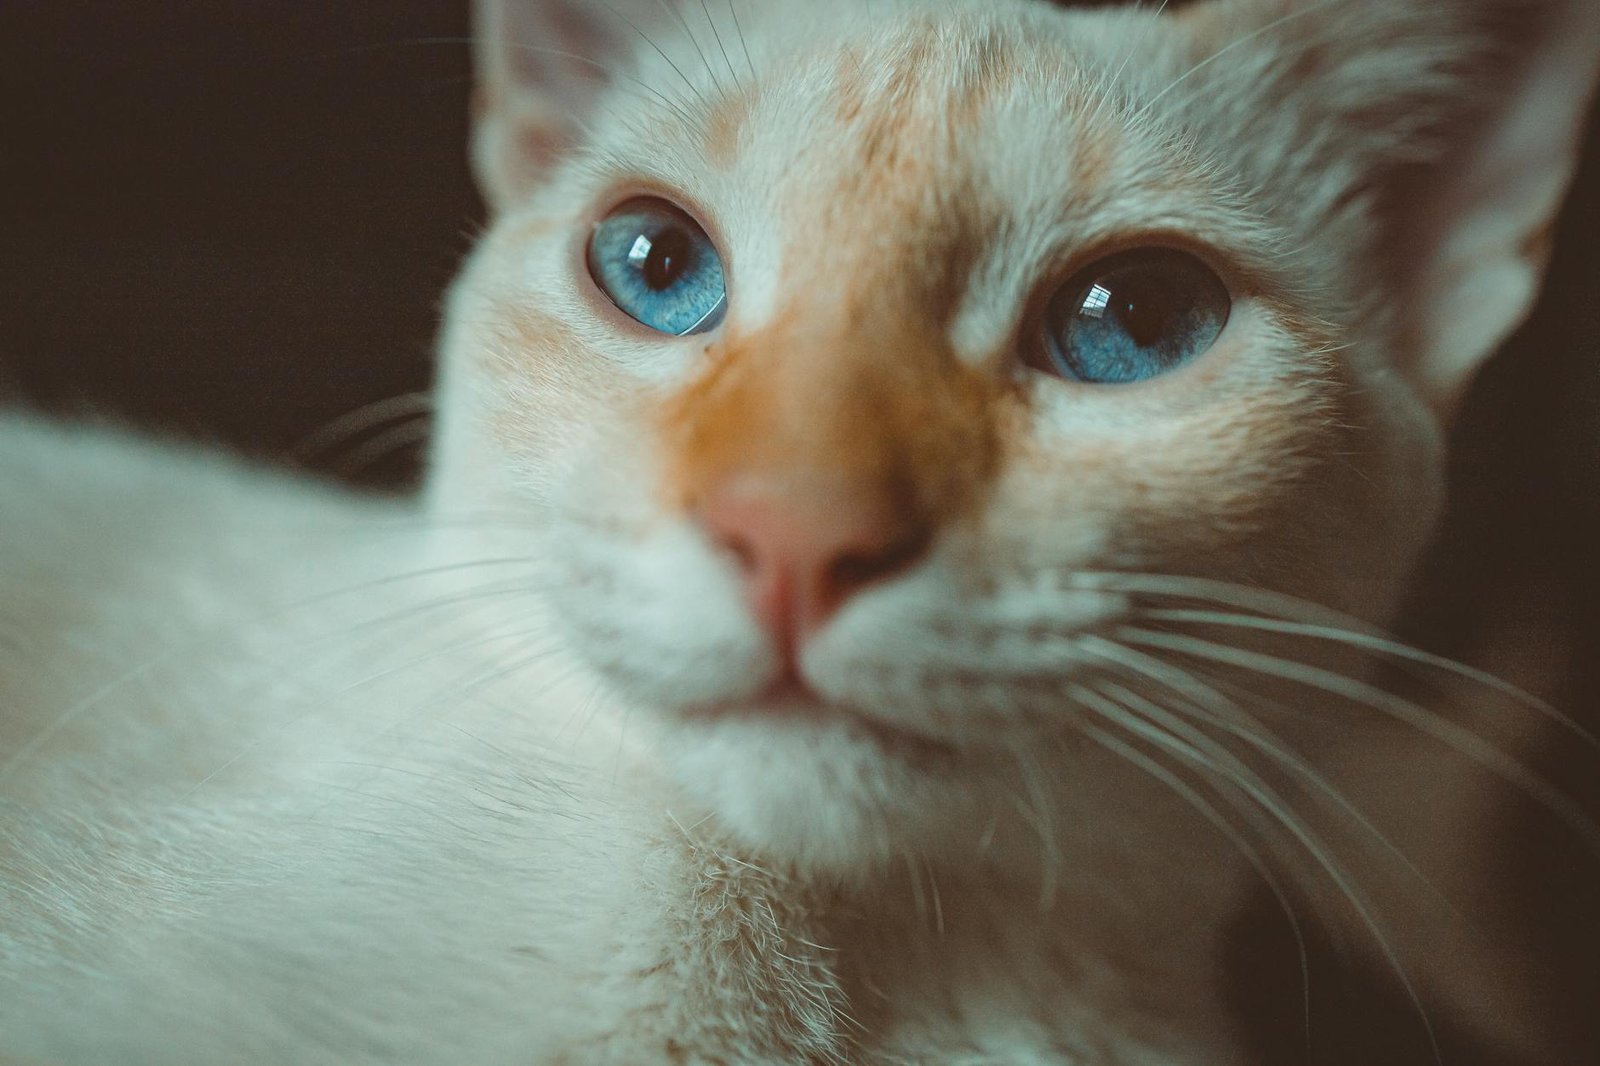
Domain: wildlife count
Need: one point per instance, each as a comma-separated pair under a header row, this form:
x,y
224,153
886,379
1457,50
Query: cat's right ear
x,y
540,67
1456,123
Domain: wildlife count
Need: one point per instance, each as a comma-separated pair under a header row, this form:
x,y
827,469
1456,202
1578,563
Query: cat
x,y
861,605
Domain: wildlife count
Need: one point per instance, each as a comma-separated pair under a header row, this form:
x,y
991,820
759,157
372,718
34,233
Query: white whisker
x,y
743,43
657,49
1217,710
1384,646
1396,707
717,36
1239,43
1251,785
414,431
70,714
1207,810
672,8
346,427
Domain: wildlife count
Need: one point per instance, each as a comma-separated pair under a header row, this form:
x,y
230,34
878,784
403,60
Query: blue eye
x,y
1134,316
657,265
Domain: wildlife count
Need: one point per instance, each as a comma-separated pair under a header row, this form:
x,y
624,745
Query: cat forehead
x,y
976,146
935,93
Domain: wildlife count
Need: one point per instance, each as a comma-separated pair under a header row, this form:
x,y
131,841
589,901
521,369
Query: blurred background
x,y
227,218
234,221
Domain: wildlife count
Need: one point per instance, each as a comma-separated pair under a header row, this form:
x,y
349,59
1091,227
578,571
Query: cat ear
x,y
1456,124
540,67
1483,217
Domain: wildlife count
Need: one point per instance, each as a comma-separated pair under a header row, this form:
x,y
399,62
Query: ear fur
x,y
1481,220
541,66
1448,130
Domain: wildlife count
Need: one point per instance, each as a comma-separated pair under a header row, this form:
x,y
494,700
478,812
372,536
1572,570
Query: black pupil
x,y
1144,306
669,255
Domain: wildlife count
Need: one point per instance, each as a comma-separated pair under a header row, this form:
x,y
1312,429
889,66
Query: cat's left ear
x,y
1440,136
541,66
1478,224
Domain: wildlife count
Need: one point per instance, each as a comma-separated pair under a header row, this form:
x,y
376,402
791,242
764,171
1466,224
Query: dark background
x,y
230,218
234,220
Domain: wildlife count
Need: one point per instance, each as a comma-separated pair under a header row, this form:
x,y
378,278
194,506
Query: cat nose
x,y
804,549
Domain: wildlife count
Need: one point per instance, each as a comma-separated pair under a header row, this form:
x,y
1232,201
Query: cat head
x,y
856,363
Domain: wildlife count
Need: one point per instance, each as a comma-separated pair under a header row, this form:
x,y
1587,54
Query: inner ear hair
x,y
1470,231
541,68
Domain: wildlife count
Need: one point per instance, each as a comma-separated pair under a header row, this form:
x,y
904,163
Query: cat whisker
x,y
1039,814
622,733
1260,31
515,767
316,695
346,427
933,892
673,8
458,691
439,652
615,76
1138,41
743,43
1291,616
25,751
687,832
1214,708
1166,730
717,36
585,709
1384,646
1213,590
465,521
919,901
1025,809
422,812
407,434
1396,707
1208,810
421,610
658,50
1233,776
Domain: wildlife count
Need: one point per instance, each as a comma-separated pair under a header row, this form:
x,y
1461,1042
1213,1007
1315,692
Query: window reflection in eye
x,y
1133,317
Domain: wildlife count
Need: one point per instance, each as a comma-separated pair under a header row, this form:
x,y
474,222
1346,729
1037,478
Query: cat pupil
x,y
665,263
1146,314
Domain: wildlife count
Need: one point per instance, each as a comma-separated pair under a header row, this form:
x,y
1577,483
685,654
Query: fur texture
x,y
290,776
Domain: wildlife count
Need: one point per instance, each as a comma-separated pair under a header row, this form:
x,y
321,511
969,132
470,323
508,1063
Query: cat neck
x,y
1104,939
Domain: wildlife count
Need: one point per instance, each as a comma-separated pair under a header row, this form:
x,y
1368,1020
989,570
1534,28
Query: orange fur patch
x,y
724,125
875,404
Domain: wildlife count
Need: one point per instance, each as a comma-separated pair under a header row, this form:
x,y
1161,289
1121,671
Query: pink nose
x,y
802,551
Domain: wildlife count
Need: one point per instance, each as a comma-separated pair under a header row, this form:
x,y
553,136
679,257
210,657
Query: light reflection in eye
x,y
658,266
1094,304
1134,316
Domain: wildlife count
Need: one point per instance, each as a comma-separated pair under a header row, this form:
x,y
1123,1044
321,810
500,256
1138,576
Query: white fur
x,y
294,776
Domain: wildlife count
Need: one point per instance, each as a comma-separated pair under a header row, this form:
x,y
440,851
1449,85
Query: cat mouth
x,y
790,703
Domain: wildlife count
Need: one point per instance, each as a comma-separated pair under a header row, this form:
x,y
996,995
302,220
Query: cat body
x,y
280,845
793,686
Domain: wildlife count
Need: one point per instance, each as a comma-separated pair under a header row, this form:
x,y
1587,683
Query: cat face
x,y
846,357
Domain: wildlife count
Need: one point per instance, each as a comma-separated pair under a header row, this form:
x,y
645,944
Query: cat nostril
x,y
853,569
801,555
737,546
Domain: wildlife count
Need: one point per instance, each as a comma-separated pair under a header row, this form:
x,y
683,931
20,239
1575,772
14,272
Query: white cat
x,y
861,606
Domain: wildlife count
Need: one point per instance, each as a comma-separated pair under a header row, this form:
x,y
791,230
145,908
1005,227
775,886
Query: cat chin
x,y
824,791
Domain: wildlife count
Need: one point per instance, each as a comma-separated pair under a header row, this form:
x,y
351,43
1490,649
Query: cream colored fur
x,y
292,776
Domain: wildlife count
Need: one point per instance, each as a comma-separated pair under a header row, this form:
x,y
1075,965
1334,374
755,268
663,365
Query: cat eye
x,y
658,266
1134,316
